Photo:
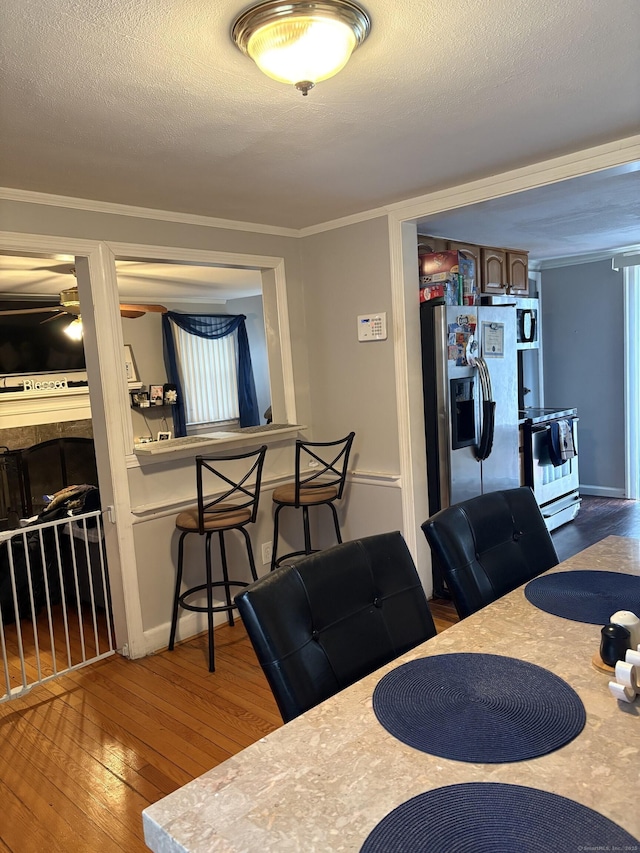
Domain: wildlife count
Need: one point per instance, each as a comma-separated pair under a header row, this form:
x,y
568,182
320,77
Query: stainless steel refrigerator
x,y
470,380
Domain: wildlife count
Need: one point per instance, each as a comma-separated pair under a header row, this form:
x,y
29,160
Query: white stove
x,y
552,476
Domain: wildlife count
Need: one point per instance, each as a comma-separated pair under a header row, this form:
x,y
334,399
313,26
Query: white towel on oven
x,y
567,447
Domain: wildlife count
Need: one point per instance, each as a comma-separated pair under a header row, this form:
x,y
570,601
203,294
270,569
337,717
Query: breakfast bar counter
x,y
325,780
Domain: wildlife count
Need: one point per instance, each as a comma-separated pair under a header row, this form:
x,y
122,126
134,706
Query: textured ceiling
x,y
590,214
147,102
137,282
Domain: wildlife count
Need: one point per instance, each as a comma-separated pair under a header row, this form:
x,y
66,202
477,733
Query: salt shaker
x,y
631,622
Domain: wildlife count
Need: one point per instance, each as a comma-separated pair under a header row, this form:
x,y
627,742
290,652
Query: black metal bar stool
x,y
320,477
237,486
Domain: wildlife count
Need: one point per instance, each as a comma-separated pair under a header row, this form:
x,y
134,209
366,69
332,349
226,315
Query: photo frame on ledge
x,y
140,399
164,436
156,395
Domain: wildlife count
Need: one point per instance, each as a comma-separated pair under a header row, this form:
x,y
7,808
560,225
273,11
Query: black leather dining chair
x,y
487,546
331,618
320,477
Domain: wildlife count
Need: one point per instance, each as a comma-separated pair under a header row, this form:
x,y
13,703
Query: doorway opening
x,y
55,612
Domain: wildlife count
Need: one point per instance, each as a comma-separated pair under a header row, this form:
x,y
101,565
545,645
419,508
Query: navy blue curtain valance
x,y
211,326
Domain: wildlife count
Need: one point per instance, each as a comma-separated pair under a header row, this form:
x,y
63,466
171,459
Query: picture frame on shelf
x,y
156,395
140,399
170,394
164,436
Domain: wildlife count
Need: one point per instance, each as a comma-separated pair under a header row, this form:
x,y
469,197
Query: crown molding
x,y
113,208
343,222
584,258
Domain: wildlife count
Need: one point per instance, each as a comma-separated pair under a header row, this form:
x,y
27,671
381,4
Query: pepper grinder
x,y
614,642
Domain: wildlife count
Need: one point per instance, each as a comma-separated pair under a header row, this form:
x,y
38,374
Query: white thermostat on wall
x,y
372,327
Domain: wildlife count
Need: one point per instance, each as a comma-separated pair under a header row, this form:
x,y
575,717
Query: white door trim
x,y
631,279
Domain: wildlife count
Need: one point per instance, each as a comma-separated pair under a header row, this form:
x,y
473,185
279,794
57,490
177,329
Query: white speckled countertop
x,y
322,782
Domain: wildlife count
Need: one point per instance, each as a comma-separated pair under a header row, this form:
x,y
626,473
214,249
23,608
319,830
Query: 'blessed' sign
x,y
45,385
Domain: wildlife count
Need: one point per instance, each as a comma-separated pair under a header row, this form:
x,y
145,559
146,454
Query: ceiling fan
x,y
70,304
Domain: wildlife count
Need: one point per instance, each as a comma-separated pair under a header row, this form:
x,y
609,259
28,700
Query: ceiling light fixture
x,y
70,300
301,42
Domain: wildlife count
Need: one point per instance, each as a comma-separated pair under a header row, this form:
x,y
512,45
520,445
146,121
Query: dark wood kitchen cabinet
x,y
493,270
518,272
504,271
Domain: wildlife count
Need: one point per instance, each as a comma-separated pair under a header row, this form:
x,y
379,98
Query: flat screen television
x,y
29,345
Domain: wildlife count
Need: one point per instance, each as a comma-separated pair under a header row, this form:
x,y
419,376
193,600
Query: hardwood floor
x,y
82,756
598,517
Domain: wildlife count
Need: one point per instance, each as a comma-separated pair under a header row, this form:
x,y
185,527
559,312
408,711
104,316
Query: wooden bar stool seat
x,y
227,517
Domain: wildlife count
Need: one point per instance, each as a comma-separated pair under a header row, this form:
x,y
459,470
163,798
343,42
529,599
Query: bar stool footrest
x,y
203,608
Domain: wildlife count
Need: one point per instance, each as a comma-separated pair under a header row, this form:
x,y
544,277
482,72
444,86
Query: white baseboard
x,y
602,491
189,624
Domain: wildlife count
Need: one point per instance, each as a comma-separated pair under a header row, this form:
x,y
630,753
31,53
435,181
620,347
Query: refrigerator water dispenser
x,y
463,413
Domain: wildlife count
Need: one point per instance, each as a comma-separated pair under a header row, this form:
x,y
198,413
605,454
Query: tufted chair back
x,y
487,546
333,617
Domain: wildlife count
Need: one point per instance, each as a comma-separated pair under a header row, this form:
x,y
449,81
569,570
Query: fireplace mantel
x,y
23,408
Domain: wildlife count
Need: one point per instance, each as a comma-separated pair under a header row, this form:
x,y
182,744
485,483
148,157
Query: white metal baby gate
x,y
55,613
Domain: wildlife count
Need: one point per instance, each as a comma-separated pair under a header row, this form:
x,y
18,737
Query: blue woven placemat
x,y
477,707
491,817
585,596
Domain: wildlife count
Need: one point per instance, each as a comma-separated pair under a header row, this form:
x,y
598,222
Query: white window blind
x,y
208,371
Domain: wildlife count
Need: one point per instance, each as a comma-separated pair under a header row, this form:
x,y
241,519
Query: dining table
x,y
326,780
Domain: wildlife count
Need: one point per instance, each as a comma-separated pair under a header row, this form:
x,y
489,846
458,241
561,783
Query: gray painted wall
x,y
352,384
583,344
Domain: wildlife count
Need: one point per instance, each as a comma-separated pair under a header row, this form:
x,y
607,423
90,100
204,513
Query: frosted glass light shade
x,y
302,48
301,41
74,329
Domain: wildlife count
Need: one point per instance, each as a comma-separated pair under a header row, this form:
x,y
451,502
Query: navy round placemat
x,y
491,817
585,596
476,707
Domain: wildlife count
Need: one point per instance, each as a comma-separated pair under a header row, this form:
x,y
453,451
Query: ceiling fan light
x,y
301,42
74,329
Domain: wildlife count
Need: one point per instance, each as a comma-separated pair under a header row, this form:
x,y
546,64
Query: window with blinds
x,y
209,377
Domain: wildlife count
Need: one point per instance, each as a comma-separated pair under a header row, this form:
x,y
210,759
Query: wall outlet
x,y
267,553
